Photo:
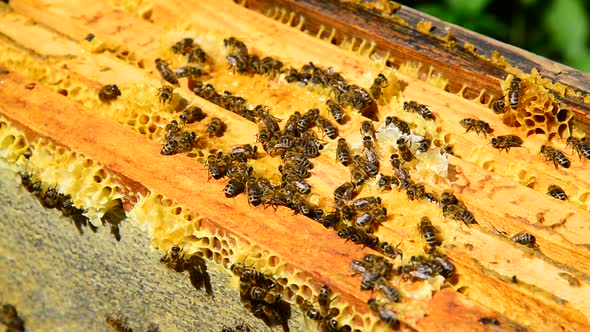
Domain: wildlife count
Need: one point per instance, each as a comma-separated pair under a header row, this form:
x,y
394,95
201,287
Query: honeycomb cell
x,y
306,291
216,243
7,141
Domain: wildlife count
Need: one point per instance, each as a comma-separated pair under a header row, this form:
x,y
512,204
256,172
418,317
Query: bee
x,y
239,170
423,145
243,152
265,119
215,127
404,149
403,126
67,207
363,163
234,188
331,220
191,114
369,151
183,46
499,106
343,152
524,239
385,182
344,192
447,268
506,142
327,127
291,167
422,110
297,158
215,166
324,299
459,212
395,160
367,129
357,175
329,324
347,232
514,92
556,192
182,143
558,158
264,295
235,45
300,185
254,192
191,72
49,198
335,110
384,313
310,311
165,94
167,74
579,146
478,125
363,238
379,83
371,217
308,119
197,55
403,176
416,191
389,250
428,231
9,317
430,197
364,203
118,323
108,93
448,198
387,289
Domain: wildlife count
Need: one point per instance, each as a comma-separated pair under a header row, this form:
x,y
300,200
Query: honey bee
x,y
243,152
9,317
558,158
264,295
300,185
514,92
448,198
379,83
298,158
182,143
324,299
216,166
389,250
67,207
370,218
556,192
343,152
499,106
331,220
108,93
336,111
525,239
327,127
369,151
197,55
390,292
167,74
215,127
265,119
291,167
118,323
165,94
423,145
428,231
307,119
363,163
403,126
365,239
367,129
310,311
385,182
478,125
420,109
364,203
579,146
254,192
233,188
357,175
344,192
506,142
447,268
347,232
415,191
384,313
329,324
183,46
235,45
395,160
459,212
49,198
191,72
191,114
404,149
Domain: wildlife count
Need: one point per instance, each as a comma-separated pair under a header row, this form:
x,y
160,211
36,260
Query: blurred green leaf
x,y
468,6
528,2
567,23
582,63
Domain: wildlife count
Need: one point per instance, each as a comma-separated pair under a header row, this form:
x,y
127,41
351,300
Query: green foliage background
x,y
556,29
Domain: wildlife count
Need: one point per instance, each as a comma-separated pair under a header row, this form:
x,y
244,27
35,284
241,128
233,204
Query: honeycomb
x,y
538,112
171,224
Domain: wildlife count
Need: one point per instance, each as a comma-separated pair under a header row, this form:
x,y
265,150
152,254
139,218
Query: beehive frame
x,y
79,88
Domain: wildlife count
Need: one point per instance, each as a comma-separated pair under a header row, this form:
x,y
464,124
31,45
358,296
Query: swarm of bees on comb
x,y
300,138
